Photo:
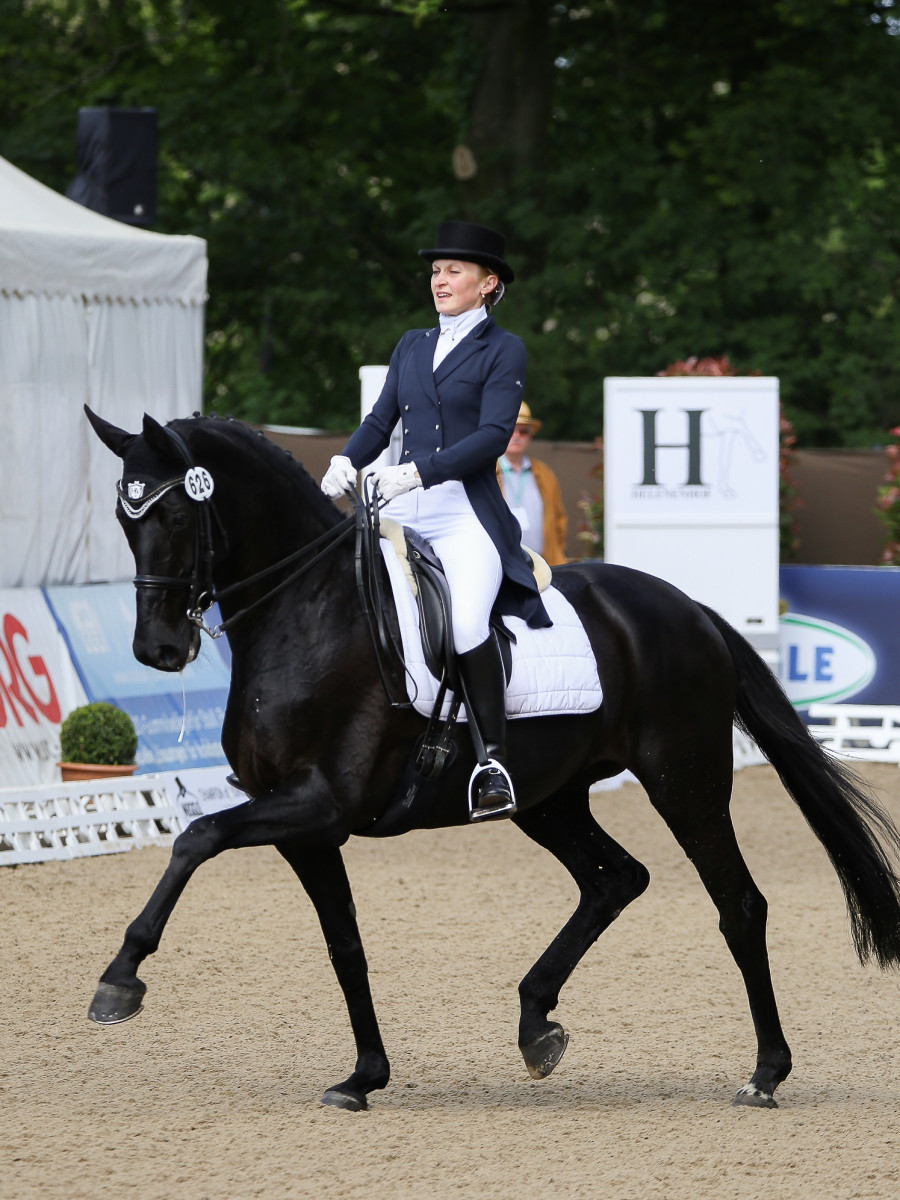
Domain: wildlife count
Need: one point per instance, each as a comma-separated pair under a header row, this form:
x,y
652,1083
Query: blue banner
x,y
839,635
178,717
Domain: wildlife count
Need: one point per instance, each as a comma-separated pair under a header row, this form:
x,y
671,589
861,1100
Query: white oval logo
x,y
198,483
822,663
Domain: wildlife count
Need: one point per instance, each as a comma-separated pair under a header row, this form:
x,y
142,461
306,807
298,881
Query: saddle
x,y
432,592
429,585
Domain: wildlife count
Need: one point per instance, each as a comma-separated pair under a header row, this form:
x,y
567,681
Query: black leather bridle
x,y
200,585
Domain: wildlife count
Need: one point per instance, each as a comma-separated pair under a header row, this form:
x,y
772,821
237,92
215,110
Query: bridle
x,y
198,485
199,585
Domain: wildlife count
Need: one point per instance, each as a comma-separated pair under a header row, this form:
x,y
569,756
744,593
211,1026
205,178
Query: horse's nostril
x,y
165,657
170,658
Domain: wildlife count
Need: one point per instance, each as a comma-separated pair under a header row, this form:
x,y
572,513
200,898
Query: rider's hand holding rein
x,y
394,481
340,477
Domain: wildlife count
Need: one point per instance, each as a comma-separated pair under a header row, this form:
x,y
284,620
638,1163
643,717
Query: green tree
x,y
676,177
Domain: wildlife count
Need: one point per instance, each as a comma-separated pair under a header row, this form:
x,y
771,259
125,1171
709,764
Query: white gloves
x,y
394,481
340,477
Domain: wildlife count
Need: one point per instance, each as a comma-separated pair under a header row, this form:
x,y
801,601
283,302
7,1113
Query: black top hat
x,y
471,243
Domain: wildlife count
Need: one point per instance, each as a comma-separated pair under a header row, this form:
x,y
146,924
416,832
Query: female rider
x,y
456,389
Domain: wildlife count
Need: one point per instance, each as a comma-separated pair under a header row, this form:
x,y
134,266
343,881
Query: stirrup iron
x,y
502,808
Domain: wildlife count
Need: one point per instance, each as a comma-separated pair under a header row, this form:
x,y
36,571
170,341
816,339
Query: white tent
x,y
94,312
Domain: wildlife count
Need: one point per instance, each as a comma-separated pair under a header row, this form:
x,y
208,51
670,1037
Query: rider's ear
x,y
111,436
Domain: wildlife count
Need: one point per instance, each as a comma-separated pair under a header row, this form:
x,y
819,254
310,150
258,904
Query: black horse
x,y
320,751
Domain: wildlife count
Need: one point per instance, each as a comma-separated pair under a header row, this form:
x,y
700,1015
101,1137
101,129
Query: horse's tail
x,y
858,835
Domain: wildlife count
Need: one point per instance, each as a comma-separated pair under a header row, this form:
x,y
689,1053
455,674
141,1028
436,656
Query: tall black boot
x,y
484,693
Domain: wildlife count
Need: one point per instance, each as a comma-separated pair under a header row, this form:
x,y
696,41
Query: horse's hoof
x,y
543,1054
113,1004
350,1103
752,1097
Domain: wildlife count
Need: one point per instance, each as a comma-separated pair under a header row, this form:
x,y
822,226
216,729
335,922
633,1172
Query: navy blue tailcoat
x,y
456,423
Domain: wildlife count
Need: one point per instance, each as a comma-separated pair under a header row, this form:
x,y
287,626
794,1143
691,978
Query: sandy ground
x,y
213,1091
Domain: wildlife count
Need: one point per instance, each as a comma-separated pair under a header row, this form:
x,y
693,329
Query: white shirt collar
x,y
457,327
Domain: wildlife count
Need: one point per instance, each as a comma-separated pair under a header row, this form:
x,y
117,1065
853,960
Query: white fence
x,y
71,820
869,732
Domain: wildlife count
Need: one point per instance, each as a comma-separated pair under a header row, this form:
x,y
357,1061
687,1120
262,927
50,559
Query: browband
x,y
157,494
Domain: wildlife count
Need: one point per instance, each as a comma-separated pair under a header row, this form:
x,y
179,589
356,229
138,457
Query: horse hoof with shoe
x,y
323,754
542,1056
113,1004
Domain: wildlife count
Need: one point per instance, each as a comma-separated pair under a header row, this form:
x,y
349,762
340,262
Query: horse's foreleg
x,y
304,810
608,879
323,875
709,841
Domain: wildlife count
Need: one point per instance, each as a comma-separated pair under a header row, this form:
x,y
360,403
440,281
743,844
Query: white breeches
x,y
443,516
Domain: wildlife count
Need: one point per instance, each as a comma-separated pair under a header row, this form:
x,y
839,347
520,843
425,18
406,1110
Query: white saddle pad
x,y
554,672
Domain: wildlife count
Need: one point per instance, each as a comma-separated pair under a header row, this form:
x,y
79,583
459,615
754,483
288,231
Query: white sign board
x,y
691,491
371,381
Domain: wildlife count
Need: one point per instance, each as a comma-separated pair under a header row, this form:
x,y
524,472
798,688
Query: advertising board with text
x,y
691,491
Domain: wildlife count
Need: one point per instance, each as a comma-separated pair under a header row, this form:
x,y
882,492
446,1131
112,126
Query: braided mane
x,y
257,460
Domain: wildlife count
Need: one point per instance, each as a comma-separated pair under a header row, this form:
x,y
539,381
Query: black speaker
x,y
115,149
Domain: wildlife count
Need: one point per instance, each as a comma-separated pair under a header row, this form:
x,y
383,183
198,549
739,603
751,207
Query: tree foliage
x,y
676,178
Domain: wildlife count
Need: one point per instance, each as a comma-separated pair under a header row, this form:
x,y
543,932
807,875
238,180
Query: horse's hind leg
x,y
698,816
608,878
322,873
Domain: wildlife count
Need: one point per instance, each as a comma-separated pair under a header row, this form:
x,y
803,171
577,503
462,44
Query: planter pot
x,y
73,772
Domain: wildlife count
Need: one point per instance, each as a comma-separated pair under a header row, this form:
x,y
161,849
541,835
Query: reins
x,y
328,541
370,586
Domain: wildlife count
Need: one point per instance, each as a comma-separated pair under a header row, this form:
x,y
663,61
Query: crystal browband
x,y
135,513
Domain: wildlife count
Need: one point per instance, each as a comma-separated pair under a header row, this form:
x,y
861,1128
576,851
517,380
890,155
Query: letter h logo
x,y
692,445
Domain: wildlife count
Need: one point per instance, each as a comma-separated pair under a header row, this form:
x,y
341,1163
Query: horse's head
x,y
168,533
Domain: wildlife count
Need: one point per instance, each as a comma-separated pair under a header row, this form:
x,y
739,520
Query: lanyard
x,y
521,480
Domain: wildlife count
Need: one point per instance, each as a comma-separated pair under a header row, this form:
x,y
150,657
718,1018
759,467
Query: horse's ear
x,y
156,437
110,435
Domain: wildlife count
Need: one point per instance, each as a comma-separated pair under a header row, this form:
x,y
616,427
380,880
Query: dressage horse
x,y
213,510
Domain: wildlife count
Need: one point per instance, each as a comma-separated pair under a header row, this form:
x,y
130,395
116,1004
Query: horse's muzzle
x,y
167,655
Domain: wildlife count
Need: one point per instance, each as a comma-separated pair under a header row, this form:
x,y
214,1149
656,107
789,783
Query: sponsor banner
x,y
695,448
838,635
178,717
38,687
691,491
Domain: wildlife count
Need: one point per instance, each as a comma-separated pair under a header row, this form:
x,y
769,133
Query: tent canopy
x,y
92,311
50,246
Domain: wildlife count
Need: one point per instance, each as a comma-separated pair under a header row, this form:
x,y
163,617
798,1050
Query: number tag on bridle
x,y
198,483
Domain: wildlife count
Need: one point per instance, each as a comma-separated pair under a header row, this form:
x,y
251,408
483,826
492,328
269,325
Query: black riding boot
x,y
484,692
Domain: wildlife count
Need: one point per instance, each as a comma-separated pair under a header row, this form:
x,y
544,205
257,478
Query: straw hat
x,y
525,418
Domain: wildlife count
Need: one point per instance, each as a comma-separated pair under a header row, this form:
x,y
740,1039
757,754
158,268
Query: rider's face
x,y
458,287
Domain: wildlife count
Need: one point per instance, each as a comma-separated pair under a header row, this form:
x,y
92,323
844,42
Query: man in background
x,y
532,492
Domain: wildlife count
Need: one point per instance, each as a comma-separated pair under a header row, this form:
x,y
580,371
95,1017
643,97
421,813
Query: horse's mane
x,y
211,436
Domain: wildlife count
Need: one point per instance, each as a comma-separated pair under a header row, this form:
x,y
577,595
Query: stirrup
x,y
503,807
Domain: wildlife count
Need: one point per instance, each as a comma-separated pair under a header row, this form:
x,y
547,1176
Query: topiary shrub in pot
x,y
97,740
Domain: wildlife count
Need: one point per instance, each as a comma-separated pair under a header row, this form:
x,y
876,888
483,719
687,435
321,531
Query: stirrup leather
x,y
502,808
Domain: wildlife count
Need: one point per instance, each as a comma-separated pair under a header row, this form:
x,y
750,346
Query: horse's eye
x,y
178,520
